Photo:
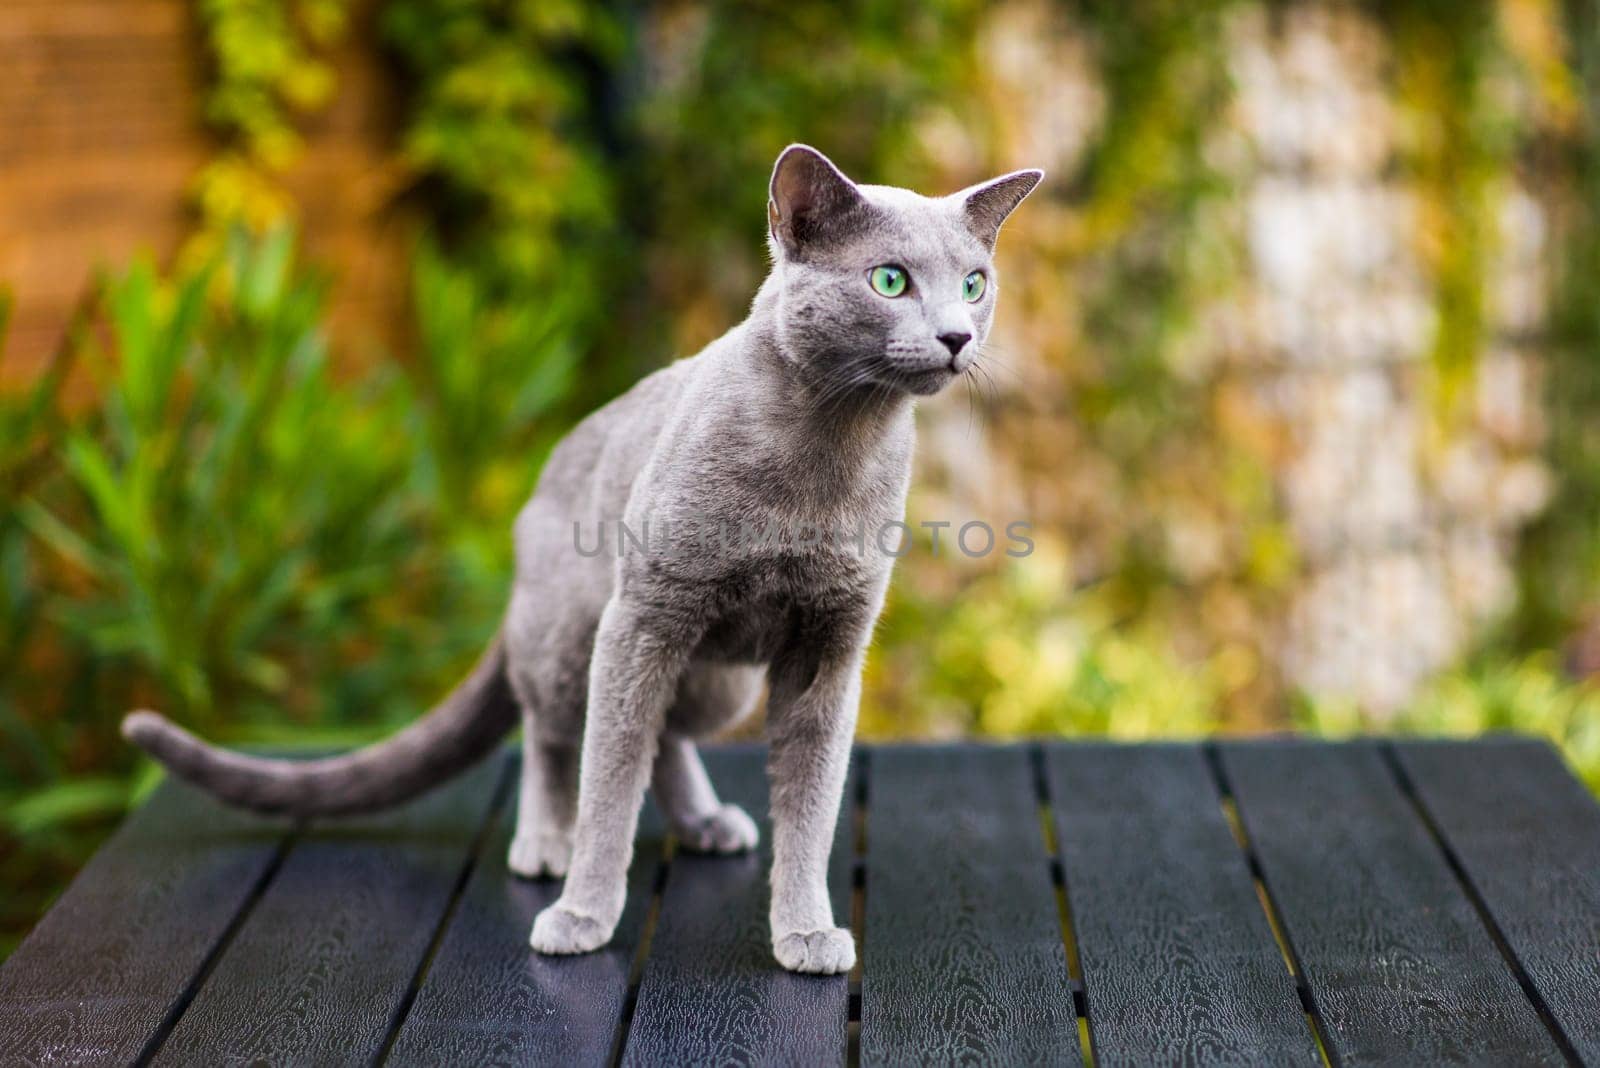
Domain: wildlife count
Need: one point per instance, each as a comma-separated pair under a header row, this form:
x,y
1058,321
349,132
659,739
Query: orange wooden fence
x,y
101,135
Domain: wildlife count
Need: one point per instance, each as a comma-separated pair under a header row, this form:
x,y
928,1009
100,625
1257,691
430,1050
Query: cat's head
x,y
881,286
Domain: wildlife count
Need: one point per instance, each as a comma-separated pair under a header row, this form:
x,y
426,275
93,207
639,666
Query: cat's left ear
x,y
987,204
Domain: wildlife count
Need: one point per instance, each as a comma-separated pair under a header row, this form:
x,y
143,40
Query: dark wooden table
x,y
1274,903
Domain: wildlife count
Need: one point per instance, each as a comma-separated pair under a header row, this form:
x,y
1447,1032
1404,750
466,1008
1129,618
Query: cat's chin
x,y
923,383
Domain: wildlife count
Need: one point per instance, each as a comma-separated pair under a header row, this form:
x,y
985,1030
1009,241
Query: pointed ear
x,y
987,204
809,199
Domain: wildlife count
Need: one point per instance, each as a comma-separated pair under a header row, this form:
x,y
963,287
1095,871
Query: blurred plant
x,y
265,70
1018,654
28,417
53,805
1559,567
503,133
236,535
1462,148
230,510
1527,695
491,381
504,139
29,426
1156,186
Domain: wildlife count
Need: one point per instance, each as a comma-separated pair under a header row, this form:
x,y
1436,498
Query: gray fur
x,y
801,414
455,735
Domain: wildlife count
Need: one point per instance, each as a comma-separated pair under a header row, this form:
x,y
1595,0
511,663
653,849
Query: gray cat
x,y
798,420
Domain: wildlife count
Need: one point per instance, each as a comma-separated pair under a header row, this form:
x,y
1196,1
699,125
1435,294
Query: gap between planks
x,y
481,842
1058,881
857,921
169,1022
858,902
1269,905
647,934
499,800
1453,860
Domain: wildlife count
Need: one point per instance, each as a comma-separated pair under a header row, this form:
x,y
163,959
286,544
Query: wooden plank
x,y
116,956
488,998
1527,837
711,992
1400,968
964,958
322,966
1179,962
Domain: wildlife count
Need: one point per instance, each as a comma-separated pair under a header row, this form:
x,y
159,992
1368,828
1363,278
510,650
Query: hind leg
x,y
702,823
547,802
708,699
547,678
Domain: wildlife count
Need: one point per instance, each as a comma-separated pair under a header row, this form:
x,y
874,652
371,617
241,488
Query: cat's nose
x,y
955,342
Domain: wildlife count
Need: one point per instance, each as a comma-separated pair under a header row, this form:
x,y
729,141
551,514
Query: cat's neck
x,y
834,435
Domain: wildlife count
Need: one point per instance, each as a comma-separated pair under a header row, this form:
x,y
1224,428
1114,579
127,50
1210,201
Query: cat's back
x,y
593,467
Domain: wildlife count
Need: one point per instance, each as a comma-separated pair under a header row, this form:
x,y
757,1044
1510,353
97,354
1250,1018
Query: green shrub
x,y
1529,695
492,385
1017,653
53,807
246,537
235,518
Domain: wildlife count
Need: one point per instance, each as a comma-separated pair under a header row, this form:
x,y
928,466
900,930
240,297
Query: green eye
x,y
889,281
972,286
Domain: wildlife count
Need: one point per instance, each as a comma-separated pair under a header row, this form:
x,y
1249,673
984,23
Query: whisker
x,y
968,380
990,354
988,380
839,391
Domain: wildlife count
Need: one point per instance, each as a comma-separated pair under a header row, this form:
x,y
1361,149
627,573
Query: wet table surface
x,y
1274,902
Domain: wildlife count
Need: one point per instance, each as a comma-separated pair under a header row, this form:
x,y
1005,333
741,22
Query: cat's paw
x,y
727,830
827,952
560,930
540,853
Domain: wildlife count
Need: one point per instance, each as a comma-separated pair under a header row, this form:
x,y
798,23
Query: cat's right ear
x,y
809,200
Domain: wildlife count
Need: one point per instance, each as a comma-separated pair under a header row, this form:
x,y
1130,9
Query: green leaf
x,y
63,539
67,802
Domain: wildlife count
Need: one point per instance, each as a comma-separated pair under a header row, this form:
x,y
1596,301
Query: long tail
x,y
452,737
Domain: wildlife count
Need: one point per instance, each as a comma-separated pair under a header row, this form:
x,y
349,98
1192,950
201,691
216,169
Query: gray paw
x,y
727,830
827,952
560,930
541,853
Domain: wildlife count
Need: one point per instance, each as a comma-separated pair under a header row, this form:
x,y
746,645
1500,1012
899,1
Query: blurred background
x,y
1295,373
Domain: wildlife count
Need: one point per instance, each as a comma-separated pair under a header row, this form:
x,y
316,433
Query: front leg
x,y
632,677
812,717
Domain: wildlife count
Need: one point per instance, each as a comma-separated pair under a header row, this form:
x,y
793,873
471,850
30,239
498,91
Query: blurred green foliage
x,y
506,145
1151,225
1464,141
492,382
35,773
1015,656
1529,694
853,76
237,534
504,137
224,491
1559,565
268,67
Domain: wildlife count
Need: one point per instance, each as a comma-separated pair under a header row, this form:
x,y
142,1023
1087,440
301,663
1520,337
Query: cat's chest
x,y
774,599
750,633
